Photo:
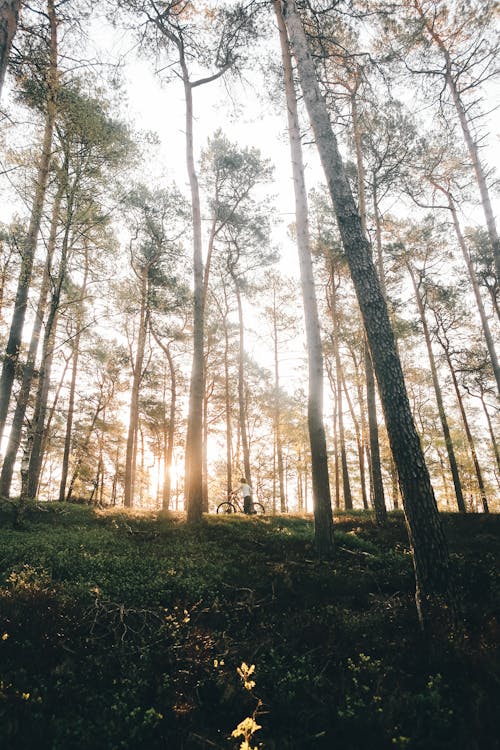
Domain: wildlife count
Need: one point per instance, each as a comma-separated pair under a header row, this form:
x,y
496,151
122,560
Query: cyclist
x,y
246,493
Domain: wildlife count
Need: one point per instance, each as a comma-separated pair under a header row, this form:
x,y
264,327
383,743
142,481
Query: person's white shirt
x,y
245,490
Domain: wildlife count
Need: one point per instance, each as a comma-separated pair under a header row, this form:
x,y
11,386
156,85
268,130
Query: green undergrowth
x,y
121,631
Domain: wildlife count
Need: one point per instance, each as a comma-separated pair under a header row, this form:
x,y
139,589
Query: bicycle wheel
x,y
226,507
258,509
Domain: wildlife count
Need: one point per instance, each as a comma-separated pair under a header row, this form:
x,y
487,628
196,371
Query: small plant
x,y
247,728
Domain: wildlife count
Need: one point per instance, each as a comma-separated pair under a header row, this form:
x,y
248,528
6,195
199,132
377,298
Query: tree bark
x,y
426,534
323,517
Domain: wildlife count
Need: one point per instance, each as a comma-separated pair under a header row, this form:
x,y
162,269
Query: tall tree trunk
x,y
437,390
241,389
30,243
169,427
9,15
277,411
346,484
377,485
426,534
29,368
193,481
227,399
131,451
72,389
323,517
359,443
31,479
170,437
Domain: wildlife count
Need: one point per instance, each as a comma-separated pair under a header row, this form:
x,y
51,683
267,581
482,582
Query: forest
x,y
250,243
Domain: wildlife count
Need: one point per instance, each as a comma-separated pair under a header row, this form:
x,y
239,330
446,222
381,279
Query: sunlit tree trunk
x,y
9,15
278,442
437,390
30,243
377,485
332,301
323,517
131,451
241,388
426,534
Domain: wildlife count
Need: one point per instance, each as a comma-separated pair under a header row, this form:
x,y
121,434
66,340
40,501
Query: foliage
x,y
122,631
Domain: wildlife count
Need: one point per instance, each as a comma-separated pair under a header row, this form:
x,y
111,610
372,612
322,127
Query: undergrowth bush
x,y
120,631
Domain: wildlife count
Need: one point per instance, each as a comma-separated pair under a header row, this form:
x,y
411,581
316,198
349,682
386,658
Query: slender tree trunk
x,y
9,15
323,517
336,451
193,482
346,484
227,399
377,485
277,410
29,369
468,432
439,396
131,452
169,446
426,534
35,438
359,443
241,389
72,389
30,243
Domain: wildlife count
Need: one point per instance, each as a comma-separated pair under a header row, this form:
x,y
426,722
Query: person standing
x,y
246,494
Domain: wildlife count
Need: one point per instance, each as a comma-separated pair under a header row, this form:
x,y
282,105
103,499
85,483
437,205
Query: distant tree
x,y
416,253
282,326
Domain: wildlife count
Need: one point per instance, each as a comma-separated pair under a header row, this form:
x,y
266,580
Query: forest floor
x,y
121,631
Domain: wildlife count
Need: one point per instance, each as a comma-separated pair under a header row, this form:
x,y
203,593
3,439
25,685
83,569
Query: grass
x,y
122,631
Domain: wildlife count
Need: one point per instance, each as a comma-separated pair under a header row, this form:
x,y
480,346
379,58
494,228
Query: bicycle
x,y
232,505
